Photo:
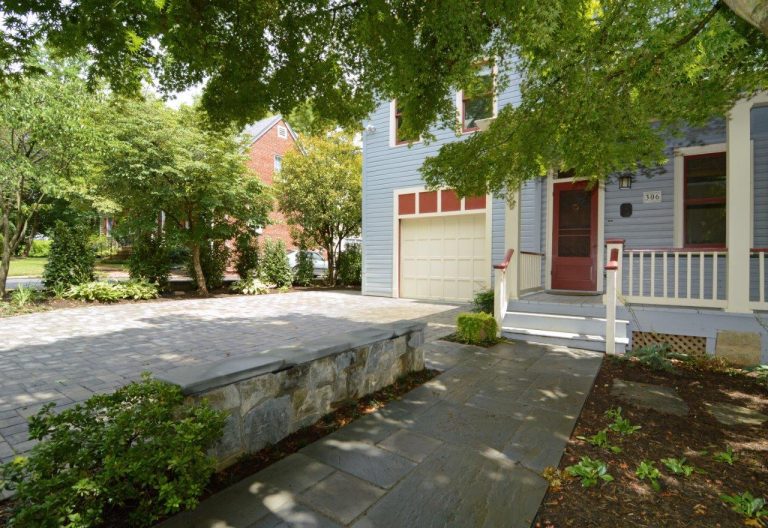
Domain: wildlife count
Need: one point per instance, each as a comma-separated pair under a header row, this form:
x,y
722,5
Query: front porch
x,y
713,293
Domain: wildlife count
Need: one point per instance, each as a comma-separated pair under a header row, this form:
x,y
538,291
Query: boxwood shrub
x,y
477,328
121,459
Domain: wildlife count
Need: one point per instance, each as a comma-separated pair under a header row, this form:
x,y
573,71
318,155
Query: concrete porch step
x,y
569,339
567,324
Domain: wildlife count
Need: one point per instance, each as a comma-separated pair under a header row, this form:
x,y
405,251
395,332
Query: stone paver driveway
x,y
65,356
465,450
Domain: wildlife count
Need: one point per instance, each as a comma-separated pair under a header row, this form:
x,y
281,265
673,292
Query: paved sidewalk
x,y
464,450
65,356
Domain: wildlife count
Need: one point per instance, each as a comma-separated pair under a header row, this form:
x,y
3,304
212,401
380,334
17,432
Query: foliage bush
x,y
214,258
71,259
305,269
250,286
476,328
40,248
483,301
350,266
275,268
139,453
103,246
112,291
655,356
150,260
247,255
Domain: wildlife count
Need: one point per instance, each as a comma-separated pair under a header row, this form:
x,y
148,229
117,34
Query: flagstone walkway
x,y
464,450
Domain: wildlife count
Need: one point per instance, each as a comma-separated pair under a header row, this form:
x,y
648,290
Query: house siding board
x,y
387,168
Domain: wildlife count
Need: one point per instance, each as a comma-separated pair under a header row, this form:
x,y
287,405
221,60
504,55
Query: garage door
x,y
443,257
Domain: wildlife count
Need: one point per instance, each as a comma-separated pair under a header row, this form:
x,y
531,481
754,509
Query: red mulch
x,y
683,502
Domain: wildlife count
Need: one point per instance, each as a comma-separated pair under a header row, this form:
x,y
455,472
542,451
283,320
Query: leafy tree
x,y
319,190
247,255
157,159
304,272
603,80
45,136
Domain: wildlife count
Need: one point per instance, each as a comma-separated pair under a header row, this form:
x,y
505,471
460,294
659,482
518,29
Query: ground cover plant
x,y
671,471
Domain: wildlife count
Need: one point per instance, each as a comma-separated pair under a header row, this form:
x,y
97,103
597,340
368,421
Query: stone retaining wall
x,y
273,393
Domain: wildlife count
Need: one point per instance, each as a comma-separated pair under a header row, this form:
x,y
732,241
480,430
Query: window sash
x,y
691,203
468,97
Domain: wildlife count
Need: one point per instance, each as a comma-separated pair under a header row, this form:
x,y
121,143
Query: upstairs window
x,y
400,137
278,163
704,200
478,99
282,132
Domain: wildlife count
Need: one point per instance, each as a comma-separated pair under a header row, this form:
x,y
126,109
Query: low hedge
x,y
112,291
477,328
122,459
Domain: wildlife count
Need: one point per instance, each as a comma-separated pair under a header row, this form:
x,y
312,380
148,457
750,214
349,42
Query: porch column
x,y
738,208
512,241
618,245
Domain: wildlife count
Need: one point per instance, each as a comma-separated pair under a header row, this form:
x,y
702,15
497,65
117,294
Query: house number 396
x,y
652,197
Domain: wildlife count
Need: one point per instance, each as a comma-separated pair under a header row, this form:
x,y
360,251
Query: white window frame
x,y
282,132
460,100
678,237
275,163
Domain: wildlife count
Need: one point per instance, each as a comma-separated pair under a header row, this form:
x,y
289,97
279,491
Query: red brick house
x,y
271,139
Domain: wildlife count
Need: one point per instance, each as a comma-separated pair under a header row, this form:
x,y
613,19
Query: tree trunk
x,y
202,289
753,11
5,257
31,236
331,265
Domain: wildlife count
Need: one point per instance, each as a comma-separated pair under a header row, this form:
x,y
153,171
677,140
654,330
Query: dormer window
x,y
478,100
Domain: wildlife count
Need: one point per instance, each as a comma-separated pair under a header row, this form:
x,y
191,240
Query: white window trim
x,y
680,153
396,218
393,128
460,101
274,162
282,132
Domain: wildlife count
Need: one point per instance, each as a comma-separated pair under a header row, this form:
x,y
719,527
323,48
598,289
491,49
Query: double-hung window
x,y
704,200
400,137
478,99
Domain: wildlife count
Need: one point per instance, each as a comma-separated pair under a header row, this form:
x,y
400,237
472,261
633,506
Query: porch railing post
x,y
500,292
611,269
610,245
738,208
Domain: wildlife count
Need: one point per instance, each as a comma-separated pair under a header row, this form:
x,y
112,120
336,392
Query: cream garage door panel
x,y
443,257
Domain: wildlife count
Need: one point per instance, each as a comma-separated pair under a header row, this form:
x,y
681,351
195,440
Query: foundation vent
x,y
679,344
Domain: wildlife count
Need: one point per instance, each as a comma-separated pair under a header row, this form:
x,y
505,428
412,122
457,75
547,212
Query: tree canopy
x,y
156,159
601,79
319,190
46,141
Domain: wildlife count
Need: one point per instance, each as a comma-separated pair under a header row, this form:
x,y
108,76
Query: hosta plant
x,y
727,457
678,466
590,471
600,439
646,470
620,424
752,508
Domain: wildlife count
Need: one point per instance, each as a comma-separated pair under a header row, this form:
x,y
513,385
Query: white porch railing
x,y
500,293
757,294
530,271
680,277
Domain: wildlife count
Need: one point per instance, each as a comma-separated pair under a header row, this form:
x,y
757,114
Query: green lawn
x,y
33,267
28,267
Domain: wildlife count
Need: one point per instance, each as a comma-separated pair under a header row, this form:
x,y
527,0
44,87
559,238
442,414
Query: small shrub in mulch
x,y
477,328
666,471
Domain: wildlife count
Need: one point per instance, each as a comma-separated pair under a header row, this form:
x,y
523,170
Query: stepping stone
x,y
728,414
657,397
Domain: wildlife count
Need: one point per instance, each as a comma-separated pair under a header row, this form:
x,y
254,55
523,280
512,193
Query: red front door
x,y
574,238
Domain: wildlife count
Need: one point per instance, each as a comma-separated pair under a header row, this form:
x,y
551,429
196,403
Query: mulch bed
x,y
682,501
